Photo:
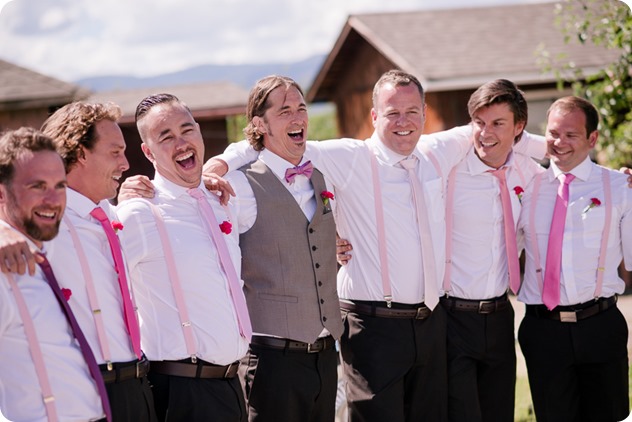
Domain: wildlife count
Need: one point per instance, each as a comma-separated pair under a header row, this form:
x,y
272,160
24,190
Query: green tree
x,y
607,23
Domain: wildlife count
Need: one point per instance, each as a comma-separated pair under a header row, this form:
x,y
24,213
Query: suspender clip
x,y
49,399
109,365
193,359
389,300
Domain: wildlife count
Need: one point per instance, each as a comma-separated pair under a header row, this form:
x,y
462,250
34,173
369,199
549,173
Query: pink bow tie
x,y
306,169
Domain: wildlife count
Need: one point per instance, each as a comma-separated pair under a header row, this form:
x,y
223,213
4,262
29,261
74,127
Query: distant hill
x,y
244,75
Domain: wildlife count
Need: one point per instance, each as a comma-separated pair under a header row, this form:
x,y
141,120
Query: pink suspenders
x,y
604,236
36,351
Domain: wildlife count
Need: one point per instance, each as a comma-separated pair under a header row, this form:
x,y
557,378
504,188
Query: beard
x,y
26,224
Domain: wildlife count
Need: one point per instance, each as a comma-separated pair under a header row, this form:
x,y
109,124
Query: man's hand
x,y
216,184
138,186
215,167
629,173
15,254
342,247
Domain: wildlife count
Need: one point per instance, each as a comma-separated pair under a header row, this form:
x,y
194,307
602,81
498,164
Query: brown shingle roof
x,y
461,48
204,99
24,88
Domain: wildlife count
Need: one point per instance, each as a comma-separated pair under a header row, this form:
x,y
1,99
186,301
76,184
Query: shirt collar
x,y
384,153
581,171
82,205
476,167
170,189
277,164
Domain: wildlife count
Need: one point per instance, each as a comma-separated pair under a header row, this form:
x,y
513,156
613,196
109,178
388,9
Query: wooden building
x,y
452,52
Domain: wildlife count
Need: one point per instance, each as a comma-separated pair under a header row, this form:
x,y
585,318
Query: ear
x,y
374,117
147,152
81,156
592,138
258,123
3,194
518,129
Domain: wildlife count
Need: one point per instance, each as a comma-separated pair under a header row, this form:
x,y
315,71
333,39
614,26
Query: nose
x,y
124,164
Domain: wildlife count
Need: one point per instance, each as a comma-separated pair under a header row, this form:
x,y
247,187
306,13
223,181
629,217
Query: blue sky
x,y
71,39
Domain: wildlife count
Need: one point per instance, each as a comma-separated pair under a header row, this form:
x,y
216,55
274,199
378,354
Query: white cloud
x,y
69,39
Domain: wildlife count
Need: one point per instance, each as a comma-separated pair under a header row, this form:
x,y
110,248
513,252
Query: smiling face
x,y
398,117
97,176
284,124
568,142
34,200
172,141
494,131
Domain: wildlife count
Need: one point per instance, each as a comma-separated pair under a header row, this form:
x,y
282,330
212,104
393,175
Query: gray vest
x,y
289,263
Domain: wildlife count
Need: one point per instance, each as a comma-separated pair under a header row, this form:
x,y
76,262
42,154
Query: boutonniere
x,y
594,202
226,227
67,293
116,226
518,191
326,195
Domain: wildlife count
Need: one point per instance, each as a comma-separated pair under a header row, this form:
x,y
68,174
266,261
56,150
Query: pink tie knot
x,y
500,173
99,214
566,178
409,163
196,193
306,169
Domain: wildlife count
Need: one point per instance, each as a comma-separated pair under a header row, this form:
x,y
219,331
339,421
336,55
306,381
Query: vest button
x,y
322,301
311,230
324,319
314,248
320,283
317,265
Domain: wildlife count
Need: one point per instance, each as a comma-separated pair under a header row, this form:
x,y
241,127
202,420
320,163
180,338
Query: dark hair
x,y
14,143
258,104
153,100
72,127
572,103
397,78
500,91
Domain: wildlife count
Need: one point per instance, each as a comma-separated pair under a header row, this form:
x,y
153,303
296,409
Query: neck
x,y
80,185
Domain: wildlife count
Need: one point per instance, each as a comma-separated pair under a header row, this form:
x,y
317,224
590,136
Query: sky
x,y
74,39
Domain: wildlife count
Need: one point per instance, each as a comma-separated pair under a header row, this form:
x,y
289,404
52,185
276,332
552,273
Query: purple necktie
x,y
81,339
553,268
510,231
128,309
234,287
306,169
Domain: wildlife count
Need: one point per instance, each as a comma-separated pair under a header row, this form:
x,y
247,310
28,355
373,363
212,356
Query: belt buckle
x,y
419,314
481,304
314,349
138,368
228,368
568,316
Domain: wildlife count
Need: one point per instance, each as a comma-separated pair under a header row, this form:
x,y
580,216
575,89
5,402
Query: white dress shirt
x,y
479,258
582,234
346,165
66,265
75,392
204,283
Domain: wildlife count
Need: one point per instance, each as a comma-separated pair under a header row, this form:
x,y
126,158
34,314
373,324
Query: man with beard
x,y
43,374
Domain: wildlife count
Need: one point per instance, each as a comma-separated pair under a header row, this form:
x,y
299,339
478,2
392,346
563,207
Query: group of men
x,y
230,309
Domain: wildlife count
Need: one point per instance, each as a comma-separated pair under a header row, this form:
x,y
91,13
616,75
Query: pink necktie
x,y
510,231
128,309
79,336
431,290
553,268
236,293
306,169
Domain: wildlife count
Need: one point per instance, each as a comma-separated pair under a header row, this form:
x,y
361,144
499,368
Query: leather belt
x,y
322,343
573,313
420,311
123,371
200,369
480,306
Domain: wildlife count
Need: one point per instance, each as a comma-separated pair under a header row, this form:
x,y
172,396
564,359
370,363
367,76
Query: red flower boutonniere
x,y
594,202
226,227
67,293
116,226
518,191
326,195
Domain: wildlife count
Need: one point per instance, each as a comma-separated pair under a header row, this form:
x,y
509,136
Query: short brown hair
x,y
572,103
14,143
396,78
72,127
258,104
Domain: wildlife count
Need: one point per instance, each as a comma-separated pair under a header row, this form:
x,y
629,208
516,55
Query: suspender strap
x,y
449,226
92,294
381,232
36,351
604,236
183,313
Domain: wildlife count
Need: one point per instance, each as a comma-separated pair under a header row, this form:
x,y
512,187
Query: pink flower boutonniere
x,y
116,226
67,293
594,202
518,191
326,195
226,227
